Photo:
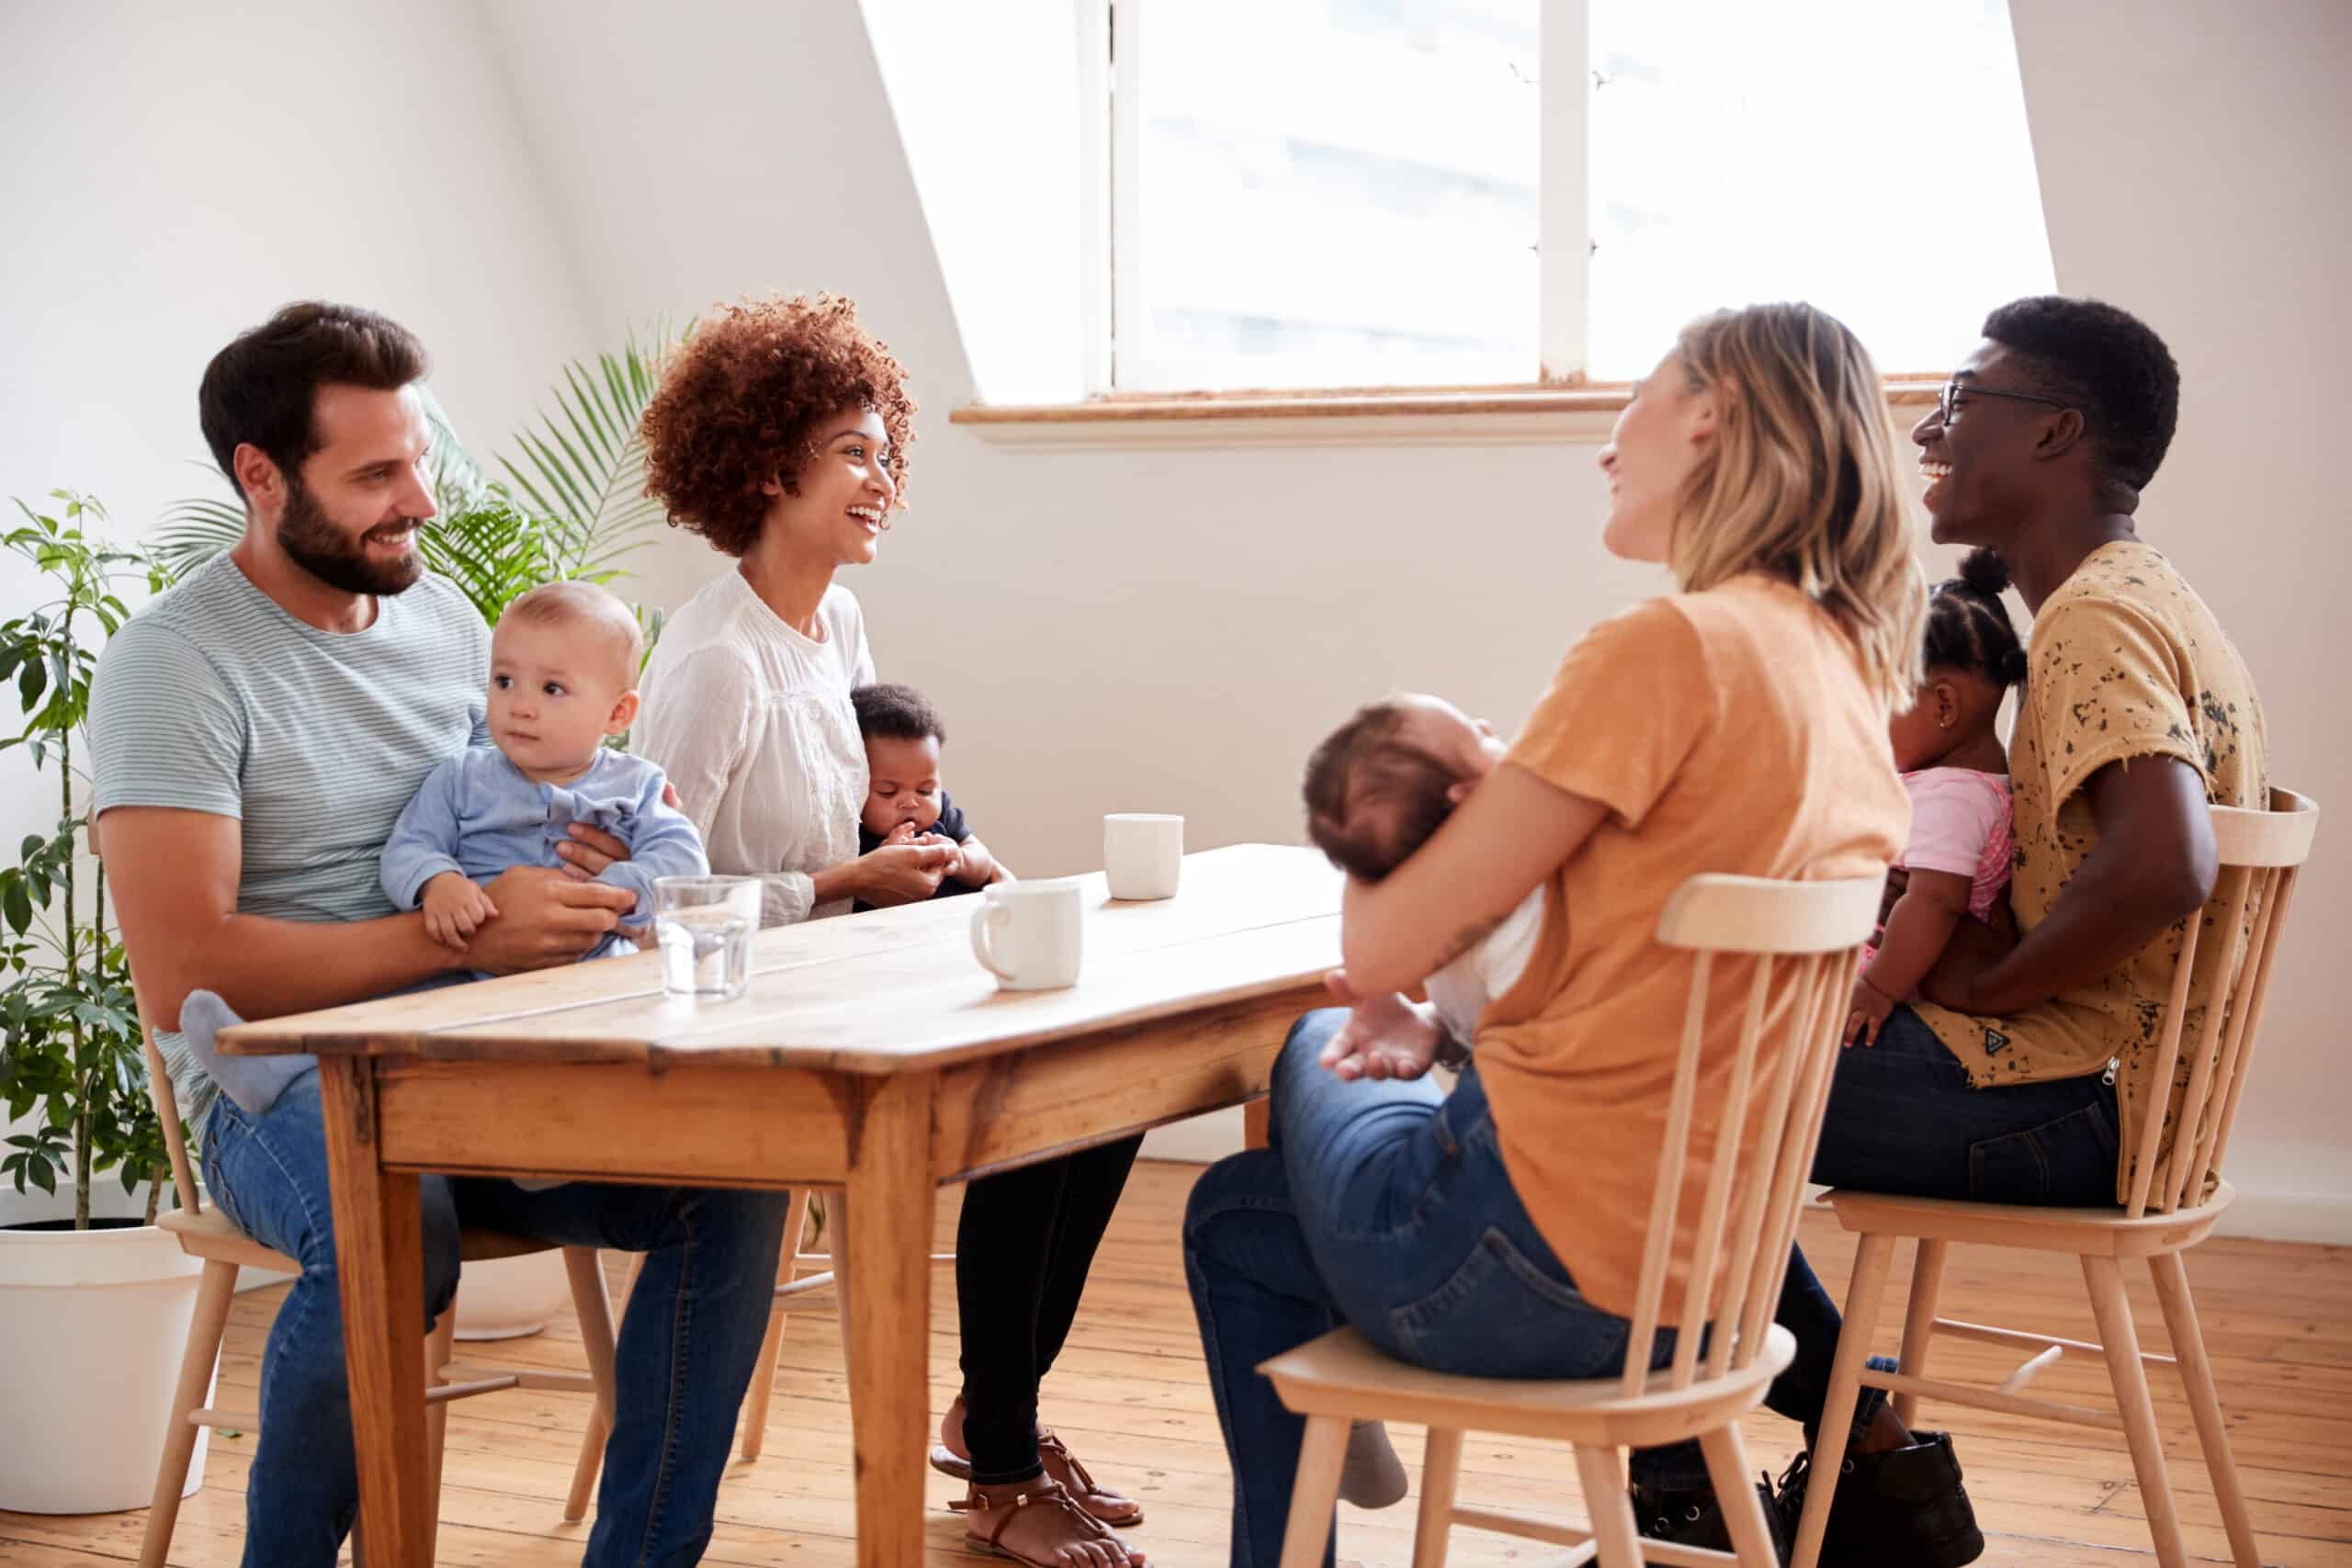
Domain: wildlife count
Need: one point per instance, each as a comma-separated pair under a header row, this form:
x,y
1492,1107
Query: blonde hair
x,y
588,608
1801,483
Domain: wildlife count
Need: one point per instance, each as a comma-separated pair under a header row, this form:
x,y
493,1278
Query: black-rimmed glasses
x,y
1954,390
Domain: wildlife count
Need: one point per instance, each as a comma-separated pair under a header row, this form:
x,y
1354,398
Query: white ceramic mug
x,y
1143,854
1030,935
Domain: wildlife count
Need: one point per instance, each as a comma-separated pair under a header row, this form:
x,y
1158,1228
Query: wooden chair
x,y
209,1235
1797,941
790,1284
2260,855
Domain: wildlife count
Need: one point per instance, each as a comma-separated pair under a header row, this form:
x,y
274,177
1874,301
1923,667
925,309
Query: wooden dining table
x,y
872,1054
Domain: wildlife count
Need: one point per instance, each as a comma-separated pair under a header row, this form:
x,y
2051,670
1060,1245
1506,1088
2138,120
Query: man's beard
x,y
314,543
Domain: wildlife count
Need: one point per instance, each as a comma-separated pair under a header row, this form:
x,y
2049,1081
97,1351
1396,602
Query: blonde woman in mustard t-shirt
x,y
1737,725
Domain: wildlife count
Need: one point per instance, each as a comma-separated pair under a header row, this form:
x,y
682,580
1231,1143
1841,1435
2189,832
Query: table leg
x,y
886,1317
1256,1117
380,1254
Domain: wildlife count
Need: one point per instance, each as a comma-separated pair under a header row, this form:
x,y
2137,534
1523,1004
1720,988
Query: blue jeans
x,y
1385,1205
687,1346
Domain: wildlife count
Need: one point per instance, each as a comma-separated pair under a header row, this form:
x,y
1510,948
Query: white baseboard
x,y
2290,1216
1201,1140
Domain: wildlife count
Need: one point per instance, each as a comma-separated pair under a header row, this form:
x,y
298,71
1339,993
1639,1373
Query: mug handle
x,y
984,916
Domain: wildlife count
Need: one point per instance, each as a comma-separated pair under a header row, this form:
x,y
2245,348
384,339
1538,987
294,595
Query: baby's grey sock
x,y
253,1083
1371,1476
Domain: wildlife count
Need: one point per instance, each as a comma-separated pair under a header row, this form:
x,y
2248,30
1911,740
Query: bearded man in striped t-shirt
x,y
258,729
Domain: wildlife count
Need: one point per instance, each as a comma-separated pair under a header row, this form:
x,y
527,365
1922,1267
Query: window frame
x,y
1111,118
1560,401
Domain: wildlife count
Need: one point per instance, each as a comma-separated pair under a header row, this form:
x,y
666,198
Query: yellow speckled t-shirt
x,y
2125,663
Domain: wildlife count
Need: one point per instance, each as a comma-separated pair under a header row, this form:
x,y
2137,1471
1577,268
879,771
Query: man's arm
x,y
175,881
2154,865
174,877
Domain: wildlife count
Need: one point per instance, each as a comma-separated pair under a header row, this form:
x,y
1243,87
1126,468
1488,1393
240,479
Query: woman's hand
x,y
1385,1037
903,873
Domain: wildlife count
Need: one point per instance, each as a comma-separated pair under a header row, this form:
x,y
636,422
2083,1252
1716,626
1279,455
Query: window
x,y
1350,193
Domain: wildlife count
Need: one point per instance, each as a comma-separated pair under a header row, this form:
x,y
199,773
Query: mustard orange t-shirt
x,y
2126,662
1725,731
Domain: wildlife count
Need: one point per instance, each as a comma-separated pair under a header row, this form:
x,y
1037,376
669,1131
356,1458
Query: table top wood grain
x,y
885,992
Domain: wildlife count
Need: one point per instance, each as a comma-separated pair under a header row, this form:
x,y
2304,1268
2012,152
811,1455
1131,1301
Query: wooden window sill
x,y
1366,416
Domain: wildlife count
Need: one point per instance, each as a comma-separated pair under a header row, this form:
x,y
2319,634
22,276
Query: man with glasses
x,y
2018,1075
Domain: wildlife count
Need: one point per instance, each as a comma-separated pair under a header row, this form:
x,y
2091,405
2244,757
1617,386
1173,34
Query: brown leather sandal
x,y
1061,1465
1042,1493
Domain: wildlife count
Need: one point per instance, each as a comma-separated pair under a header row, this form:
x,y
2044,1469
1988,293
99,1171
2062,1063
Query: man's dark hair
x,y
2108,363
263,387
896,713
1371,797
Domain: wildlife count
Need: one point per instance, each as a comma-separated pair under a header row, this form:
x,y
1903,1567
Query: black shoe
x,y
1905,1505
1695,1518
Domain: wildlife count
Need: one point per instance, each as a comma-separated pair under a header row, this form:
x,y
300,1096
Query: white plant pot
x,y
93,1325
509,1297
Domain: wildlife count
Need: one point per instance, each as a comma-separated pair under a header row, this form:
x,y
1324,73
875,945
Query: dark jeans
x,y
1902,1118
1024,1243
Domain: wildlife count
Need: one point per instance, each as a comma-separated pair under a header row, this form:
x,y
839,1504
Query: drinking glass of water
x,y
704,926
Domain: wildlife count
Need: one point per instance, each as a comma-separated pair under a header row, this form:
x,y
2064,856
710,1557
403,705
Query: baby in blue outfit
x,y
562,678
563,666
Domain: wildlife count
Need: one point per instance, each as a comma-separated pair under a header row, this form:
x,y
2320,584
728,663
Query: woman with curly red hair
x,y
779,434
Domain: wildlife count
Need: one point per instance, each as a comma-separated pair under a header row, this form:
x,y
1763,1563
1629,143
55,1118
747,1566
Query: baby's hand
x,y
1867,1013
1384,1037
455,908
904,833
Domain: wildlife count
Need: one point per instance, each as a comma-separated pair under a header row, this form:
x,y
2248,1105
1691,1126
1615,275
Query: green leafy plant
x,y
583,469
69,1027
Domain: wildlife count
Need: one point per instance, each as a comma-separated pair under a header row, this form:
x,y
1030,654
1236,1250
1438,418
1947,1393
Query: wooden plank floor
x,y
1130,1396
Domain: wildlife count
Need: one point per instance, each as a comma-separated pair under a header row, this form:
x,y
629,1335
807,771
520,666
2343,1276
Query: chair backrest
x,y
167,1108
2261,854
1800,940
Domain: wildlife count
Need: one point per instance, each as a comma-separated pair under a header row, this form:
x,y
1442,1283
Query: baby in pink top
x,y
1948,747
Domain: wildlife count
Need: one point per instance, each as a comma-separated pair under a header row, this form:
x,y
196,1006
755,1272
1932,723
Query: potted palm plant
x,y
84,1273
571,505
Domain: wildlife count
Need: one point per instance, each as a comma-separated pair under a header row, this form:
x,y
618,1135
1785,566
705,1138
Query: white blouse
x,y
752,723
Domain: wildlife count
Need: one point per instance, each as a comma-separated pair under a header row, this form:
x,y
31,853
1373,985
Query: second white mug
x,y
1143,854
1030,935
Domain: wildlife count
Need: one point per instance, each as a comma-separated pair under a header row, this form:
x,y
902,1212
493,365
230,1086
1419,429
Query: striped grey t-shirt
x,y
213,698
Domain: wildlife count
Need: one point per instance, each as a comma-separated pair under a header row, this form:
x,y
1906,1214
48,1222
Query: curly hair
x,y
740,400
2106,362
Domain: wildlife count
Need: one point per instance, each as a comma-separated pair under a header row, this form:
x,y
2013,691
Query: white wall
x,y
178,176
175,173
1113,630
2194,173
1171,630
